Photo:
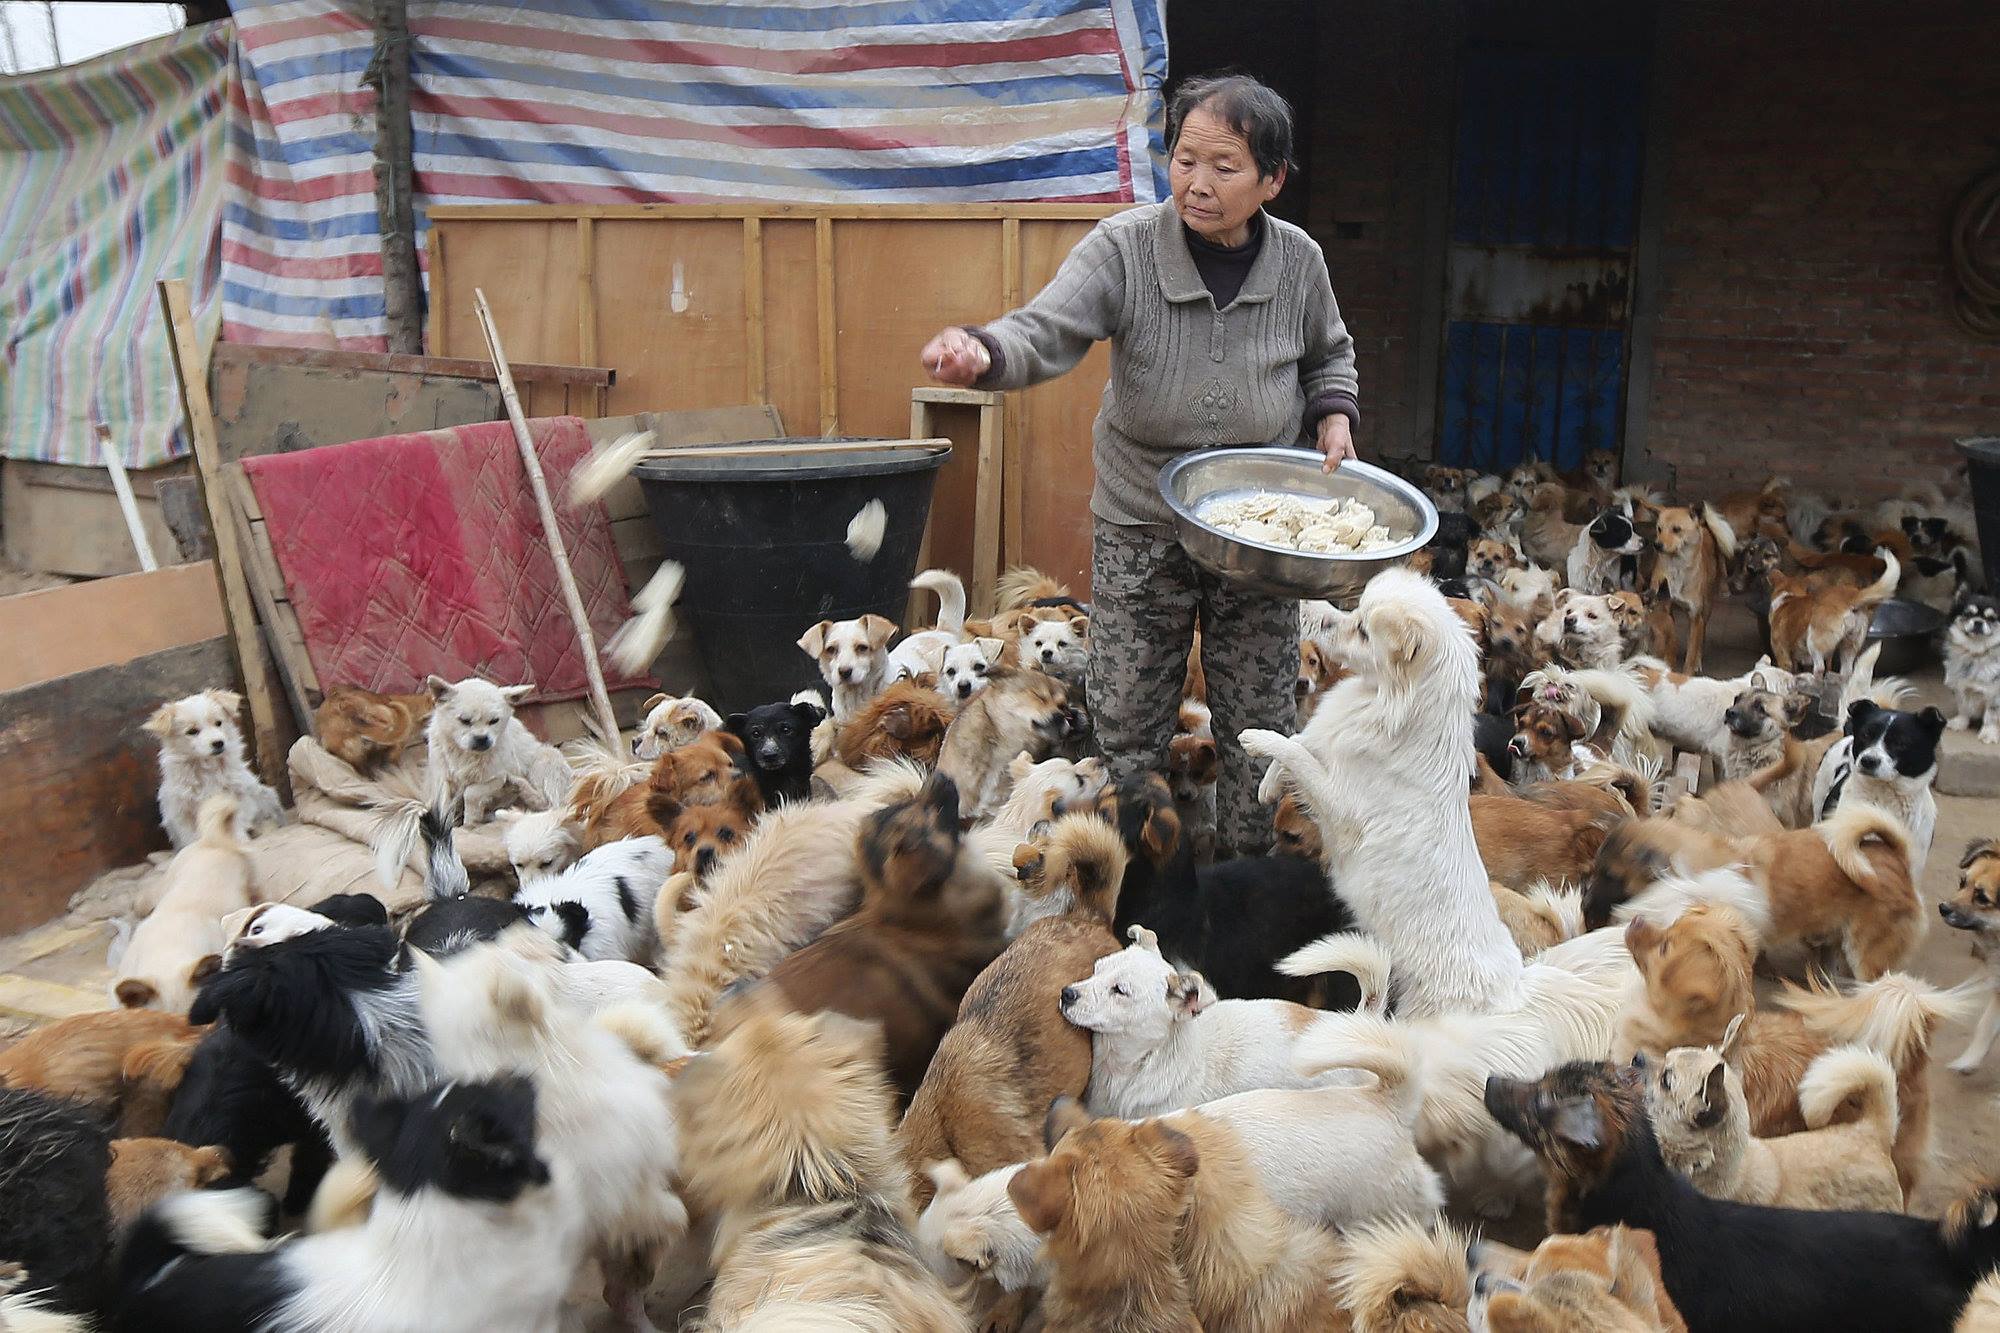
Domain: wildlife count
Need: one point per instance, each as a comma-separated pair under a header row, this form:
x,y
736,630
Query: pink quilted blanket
x,y
421,554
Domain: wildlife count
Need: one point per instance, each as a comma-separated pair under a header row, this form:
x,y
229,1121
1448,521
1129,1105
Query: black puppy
x,y
777,744
1231,921
1493,736
54,1220
1735,1267
230,1096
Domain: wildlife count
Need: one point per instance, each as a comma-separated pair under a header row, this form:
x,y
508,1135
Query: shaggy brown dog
x,y
1604,1281
1401,1276
784,1128
1523,841
1075,865
145,1171
1296,832
1019,710
701,835
905,721
702,772
367,729
124,1063
1008,1056
1109,1200
931,917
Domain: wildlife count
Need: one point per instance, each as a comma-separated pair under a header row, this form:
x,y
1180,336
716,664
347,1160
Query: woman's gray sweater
x,y
1184,375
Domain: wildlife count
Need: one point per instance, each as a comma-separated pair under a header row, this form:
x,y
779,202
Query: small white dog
x,y
180,943
973,1224
602,906
671,723
481,753
1972,665
851,659
539,842
1383,768
1060,648
201,755
924,650
1160,1041
966,666
1584,630
1690,712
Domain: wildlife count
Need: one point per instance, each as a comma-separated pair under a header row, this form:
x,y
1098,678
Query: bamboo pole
x,y
558,552
127,505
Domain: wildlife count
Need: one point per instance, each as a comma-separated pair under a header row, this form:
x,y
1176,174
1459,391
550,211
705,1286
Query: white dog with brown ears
x,y
853,659
201,755
1383,768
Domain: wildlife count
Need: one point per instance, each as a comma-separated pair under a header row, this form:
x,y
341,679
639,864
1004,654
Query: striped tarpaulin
x,y
109,180
650,101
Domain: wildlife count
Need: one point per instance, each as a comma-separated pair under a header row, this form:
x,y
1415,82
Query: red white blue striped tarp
x,y
666,101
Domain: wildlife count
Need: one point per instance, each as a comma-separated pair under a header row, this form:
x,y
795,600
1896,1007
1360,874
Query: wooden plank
x,y
104,622
986,513
270,407
756,383
764,450
467,368
678,286
917,212
935,393
440,290
180,506
191,368
65,520
829,332
82,777
1013,494
46,1001
791,322
261,573
586,292
528,272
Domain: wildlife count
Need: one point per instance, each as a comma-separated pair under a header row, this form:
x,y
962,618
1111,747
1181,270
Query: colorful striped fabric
x,y
125,169
632,101
109,180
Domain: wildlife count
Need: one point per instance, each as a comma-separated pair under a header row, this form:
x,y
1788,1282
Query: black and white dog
x,y
461,1234
1605,557
777,740
1887,758
1972,665
602,906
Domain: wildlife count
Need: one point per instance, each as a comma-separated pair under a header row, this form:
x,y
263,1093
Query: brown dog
x,y
905,721
1548,744
1109,1200
123,1062
1696,546
1008,1056
1075,865
366,729
144,1171
701,835
1296,833
702,772
1523,842
932,915
1019,710
1604,1281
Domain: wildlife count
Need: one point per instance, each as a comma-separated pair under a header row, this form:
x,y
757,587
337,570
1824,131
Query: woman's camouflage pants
x,y
1145,594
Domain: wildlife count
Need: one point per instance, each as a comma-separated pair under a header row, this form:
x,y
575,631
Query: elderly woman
x,y
1223,330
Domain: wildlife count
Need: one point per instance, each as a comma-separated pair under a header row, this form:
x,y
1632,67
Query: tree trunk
x,y
389,75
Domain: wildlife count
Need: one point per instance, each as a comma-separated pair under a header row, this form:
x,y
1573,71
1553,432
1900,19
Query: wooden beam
x,y
388,74
829,359
932,212
986,509
434,248
1013,447
467,368
756,376
191,368
586,291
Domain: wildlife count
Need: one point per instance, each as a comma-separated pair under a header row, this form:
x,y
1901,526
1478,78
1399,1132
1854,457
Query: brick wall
x,y
1813,150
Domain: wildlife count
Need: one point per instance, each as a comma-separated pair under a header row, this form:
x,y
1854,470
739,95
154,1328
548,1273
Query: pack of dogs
x,y
896,1007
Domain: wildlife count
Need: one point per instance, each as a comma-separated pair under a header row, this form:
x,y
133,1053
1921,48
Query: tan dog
x,y
1604,1281
1525,842
1109,1200
123,1063
706,770
1827,624
1019,710
853,659
1703,1124
366,729
144,1171
671,723
906,721
179,944
1011,1052
1975,909
1074,865
1402,1276
784,1128
1695,548
1296,832
1547,534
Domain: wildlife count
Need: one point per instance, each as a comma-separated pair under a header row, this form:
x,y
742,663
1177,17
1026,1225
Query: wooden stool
x,y
941,413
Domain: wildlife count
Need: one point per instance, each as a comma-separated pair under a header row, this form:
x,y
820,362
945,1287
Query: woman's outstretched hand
x,y
1336,440
956,357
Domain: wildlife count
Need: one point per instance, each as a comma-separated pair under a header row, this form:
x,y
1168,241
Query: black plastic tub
x,y
1982,458
764,542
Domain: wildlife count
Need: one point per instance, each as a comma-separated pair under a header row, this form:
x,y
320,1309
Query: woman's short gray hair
x,y
1250,108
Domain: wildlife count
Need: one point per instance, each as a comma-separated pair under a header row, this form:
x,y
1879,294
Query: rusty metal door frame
x,y
1636,462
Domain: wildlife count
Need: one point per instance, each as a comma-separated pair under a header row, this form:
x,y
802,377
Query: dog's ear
x,y
438,686
1162,833
1144,938
646,708
136,994
1080,623
161,723
1572,726
1975,849
989,648
1397,633
811,714
1932,721
1860,711
1027,861
735,723
878,630
1188,993
1065,1114
1577,1121
209,1165
730,744
1714,1098
813,641
1041,1192
1173,1150
1798,706
229,701
515,693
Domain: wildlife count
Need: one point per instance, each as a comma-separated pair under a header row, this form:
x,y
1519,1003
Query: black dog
x,y
1493,736
1735,1267
54,1220
451,918
777,743
230,1096
1231,921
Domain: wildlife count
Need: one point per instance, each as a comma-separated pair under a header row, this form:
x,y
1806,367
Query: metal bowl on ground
x,y
1908,634
1194,479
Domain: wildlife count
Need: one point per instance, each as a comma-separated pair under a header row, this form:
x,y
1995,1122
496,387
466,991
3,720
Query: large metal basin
x,y
1189,480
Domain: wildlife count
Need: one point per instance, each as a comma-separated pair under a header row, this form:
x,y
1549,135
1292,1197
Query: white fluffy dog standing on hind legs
x,y
1384,767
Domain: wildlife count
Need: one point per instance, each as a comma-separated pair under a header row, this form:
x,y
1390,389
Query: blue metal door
x,y
1544,217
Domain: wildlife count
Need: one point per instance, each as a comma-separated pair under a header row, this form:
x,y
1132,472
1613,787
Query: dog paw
x,y
1963,1066
1261,744
1990,735
1960,724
